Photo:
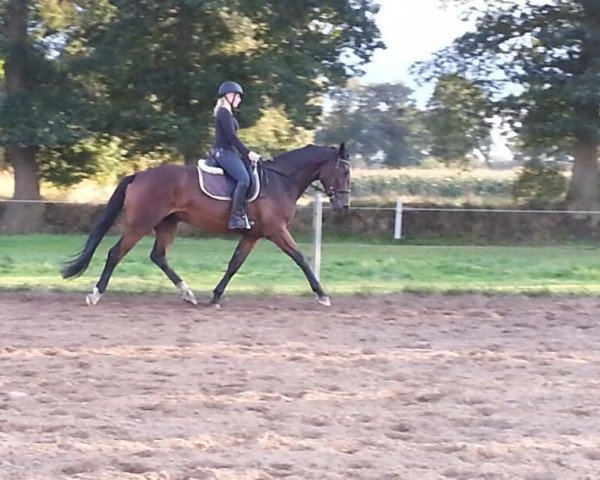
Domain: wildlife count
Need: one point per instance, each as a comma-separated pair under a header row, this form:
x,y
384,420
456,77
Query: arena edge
x,y
453,223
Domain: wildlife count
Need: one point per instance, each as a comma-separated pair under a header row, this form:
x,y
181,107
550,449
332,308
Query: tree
x,y
274,133
457,119
379,122
22,157
161,61
43,105
82,76
551,52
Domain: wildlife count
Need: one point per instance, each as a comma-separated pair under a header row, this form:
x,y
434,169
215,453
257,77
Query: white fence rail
x,y
400,209
404,208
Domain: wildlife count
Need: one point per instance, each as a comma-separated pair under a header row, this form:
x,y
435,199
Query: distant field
x,y
439,185
32,263
480,186
87,191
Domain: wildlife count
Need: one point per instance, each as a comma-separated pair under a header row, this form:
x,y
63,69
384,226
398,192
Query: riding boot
x,y
238,219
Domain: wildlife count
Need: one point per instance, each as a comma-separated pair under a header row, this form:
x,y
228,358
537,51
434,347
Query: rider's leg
x,y
235,167
238,218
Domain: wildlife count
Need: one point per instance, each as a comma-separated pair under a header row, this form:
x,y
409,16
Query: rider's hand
x,y
253,157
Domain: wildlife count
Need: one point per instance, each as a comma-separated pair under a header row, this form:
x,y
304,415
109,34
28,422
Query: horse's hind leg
x,y
115,254
165,235
243,249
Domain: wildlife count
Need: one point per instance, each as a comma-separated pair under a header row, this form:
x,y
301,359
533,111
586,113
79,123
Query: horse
x,y
161,197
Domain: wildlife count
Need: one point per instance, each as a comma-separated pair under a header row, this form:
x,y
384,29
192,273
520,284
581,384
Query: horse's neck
x,y
299,176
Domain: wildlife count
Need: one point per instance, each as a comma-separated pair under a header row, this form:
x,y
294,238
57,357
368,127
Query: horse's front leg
x,y
284,240
243,249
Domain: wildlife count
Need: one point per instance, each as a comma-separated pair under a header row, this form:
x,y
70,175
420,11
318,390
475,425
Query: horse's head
x,y
335,177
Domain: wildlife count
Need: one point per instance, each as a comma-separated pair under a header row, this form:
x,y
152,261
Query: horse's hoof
x,y
216,301
187,294
190,298
324,300
93,298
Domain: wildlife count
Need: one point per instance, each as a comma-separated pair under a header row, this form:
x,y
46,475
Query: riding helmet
x,y
230,87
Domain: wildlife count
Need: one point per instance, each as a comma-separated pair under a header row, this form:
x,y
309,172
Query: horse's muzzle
x,y
341,204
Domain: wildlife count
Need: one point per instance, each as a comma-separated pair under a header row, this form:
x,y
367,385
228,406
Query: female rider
x,y
228,150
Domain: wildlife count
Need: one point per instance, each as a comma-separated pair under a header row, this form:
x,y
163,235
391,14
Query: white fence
x,y
400,209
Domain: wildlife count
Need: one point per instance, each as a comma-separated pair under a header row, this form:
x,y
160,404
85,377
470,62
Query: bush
x,y
540,184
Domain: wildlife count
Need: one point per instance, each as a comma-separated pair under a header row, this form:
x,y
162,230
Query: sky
x,y
412,30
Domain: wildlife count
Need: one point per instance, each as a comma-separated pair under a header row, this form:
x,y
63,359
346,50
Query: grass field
x,y
32,263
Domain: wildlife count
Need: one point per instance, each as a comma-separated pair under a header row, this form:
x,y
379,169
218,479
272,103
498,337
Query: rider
x,y
228,150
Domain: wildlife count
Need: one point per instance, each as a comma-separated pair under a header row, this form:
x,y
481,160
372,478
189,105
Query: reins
x,y
264,168
330,192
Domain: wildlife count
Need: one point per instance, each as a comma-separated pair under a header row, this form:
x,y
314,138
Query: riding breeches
x,y
231,162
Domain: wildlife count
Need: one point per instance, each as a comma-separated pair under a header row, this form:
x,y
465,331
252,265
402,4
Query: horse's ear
x,y
343,153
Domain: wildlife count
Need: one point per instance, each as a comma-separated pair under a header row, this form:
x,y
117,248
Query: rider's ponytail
x,y
220,103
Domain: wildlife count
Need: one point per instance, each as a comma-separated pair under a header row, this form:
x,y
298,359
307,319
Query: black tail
x,y
108,217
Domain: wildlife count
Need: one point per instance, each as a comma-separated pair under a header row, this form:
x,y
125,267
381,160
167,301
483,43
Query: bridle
x,y
331,192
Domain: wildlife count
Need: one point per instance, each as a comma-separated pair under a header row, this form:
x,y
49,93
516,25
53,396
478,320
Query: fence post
x,y
398,223
317,229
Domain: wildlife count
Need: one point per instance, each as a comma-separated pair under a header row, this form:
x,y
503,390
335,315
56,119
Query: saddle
x,y
215,183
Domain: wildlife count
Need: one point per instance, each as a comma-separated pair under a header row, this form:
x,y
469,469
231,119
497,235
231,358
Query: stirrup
x,y
239,222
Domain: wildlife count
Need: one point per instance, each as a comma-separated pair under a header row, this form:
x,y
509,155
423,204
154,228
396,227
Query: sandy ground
x,y
392,387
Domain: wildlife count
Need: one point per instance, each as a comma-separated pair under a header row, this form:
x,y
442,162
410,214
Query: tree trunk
x,y
20,217
23,216
27,185
183,104
584,191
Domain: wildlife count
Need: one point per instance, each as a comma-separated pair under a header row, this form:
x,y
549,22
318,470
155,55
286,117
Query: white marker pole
x,y
398,223
318,230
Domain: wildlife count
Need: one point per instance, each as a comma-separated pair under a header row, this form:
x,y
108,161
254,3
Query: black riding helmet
x,y
230,87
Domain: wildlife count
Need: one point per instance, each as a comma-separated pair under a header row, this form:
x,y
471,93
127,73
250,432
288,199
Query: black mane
x,y
308,152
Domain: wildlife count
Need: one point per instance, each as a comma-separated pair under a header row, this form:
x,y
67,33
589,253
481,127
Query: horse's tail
x,y
102,225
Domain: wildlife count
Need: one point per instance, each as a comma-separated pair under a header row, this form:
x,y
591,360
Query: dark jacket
x,y
226,133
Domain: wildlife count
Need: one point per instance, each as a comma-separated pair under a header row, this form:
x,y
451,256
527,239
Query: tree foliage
x,y
547,53
47,105
379,121
160,63
91,83
51,105
539,183
275,133
457,119
89,78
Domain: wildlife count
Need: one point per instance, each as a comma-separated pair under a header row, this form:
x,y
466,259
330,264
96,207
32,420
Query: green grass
x,y
32,263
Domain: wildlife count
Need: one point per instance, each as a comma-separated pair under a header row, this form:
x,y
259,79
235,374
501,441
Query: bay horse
x,y
159,198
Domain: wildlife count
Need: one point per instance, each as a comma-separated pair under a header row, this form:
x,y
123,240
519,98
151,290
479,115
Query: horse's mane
x,y
308,151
